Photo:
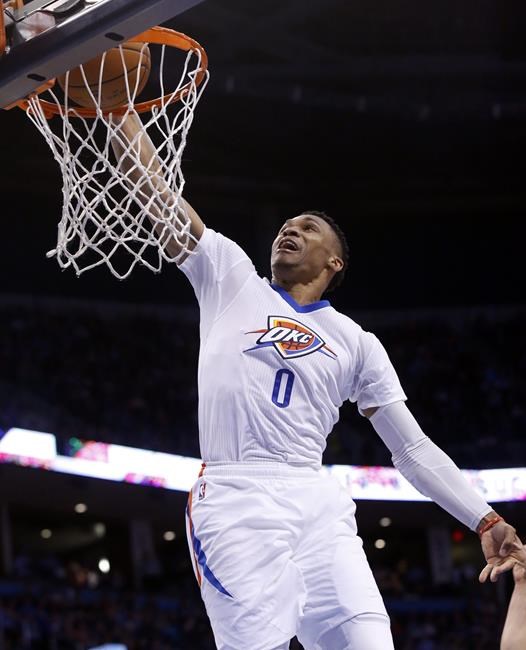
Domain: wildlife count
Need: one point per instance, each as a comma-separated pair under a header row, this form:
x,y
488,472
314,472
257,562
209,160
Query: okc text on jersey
x,y
290,339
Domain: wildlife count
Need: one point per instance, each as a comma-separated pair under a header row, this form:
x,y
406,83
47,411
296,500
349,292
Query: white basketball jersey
x,y
272,373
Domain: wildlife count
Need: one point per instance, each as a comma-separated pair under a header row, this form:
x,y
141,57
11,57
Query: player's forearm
x,y
514,633
435,475
139,161
426,467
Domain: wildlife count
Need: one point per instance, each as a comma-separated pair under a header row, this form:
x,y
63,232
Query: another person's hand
x,y
516,560
514,632
519,572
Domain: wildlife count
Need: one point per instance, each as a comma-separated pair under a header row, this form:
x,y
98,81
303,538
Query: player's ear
x,y
335,263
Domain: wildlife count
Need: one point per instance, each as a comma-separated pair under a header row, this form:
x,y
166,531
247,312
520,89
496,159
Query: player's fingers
x,y
485,573
499,569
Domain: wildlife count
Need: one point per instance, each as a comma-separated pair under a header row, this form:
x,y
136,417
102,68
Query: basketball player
x,y
274,542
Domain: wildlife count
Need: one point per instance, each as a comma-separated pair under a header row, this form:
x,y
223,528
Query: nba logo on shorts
x,y
202,490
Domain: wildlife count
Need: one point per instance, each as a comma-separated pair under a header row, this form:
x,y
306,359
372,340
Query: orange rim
x,y
158,35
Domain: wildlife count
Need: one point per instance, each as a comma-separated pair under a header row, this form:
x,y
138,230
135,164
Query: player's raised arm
x,y
137,157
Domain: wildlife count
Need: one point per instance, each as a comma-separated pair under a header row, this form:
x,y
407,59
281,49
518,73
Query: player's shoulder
x,y
353,331
210,236
215,244
216,240
348,328
345,322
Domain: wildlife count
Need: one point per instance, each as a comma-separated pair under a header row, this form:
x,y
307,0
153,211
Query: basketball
x,y
134,61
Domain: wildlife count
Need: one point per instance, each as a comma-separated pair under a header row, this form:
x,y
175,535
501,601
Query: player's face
x,y
304,246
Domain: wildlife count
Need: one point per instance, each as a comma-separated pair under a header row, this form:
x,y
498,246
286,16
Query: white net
x,y
122,180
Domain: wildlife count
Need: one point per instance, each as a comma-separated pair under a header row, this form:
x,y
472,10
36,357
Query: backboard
x,y
44,38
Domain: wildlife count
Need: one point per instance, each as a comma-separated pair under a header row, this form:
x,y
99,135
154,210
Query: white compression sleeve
x,y
426,466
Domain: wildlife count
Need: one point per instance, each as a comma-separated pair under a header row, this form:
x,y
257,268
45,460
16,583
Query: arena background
x,y
406,122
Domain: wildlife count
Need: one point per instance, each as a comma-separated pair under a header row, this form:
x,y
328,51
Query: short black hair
x,y
338,277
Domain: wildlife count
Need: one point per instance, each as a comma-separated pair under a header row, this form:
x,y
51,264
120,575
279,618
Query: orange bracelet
x,y
490,525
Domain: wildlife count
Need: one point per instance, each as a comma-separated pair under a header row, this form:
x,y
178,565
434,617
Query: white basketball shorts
x,y
276,554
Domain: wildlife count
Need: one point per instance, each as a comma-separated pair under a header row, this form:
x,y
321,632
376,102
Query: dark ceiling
x,y
405,120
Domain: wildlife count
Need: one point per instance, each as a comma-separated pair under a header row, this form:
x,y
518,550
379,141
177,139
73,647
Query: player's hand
x,y
516,560
498,542
519,573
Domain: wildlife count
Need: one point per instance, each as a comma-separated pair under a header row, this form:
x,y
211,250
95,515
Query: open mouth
x,y
288,244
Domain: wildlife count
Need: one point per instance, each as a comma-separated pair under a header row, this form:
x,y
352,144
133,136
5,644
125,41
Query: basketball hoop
x,y
105,214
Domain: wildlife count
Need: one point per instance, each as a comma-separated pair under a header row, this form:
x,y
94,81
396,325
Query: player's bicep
x,y
180,247
197,226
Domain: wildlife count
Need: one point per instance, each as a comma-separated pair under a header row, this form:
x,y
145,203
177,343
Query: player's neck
x,y
303,294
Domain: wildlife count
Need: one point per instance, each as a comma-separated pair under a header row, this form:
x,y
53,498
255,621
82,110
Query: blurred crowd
x,y
113,376
130,376
46,616
53,608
